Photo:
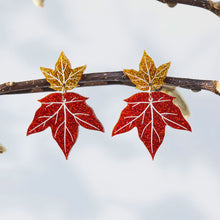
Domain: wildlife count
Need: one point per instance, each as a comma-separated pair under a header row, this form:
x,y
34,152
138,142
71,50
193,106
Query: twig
x,y
206,4
106,78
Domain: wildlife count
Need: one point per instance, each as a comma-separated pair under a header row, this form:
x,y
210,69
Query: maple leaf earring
x,y
64,111
150,111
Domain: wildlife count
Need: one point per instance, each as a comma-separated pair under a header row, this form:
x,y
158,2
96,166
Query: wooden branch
x,y
206,4
106,78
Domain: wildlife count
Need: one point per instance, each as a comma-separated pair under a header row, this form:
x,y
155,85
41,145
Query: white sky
x,y
109,178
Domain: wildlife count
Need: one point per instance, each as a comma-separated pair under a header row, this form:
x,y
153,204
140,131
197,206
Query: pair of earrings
x,y
149,111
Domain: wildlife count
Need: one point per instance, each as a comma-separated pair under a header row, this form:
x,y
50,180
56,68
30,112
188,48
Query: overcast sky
x,y
109,178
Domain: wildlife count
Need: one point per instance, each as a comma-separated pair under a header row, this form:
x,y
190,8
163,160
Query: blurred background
x,y
108,178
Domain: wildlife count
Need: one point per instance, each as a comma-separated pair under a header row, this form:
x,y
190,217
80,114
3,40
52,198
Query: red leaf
x,y
150,116
64,115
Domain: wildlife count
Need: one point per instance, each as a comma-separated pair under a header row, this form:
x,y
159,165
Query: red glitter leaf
x,y
150,116
64,114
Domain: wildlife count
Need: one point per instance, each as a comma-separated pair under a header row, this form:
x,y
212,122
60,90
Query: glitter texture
x,y
64,113
63,78
150,115
148,77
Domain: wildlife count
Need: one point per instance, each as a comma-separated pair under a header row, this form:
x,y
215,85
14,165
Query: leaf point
x,y
66,155
153,155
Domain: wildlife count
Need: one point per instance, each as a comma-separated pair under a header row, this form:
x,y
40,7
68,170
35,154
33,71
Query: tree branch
x,y
106,78
209,5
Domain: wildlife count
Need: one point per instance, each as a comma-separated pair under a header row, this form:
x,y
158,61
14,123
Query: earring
x,y
150,111
64,111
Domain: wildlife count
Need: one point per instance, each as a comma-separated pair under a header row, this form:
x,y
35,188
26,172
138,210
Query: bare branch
x,y
106,78
206,4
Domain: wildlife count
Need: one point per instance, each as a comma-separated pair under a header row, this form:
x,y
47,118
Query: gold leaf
x,y
74,77
160,75
147,66
63,77
148,77
55,82
138,78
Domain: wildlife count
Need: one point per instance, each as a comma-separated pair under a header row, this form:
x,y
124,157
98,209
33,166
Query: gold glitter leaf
x,y
148,77
74,77
63,77
138,78
159,76
147,66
